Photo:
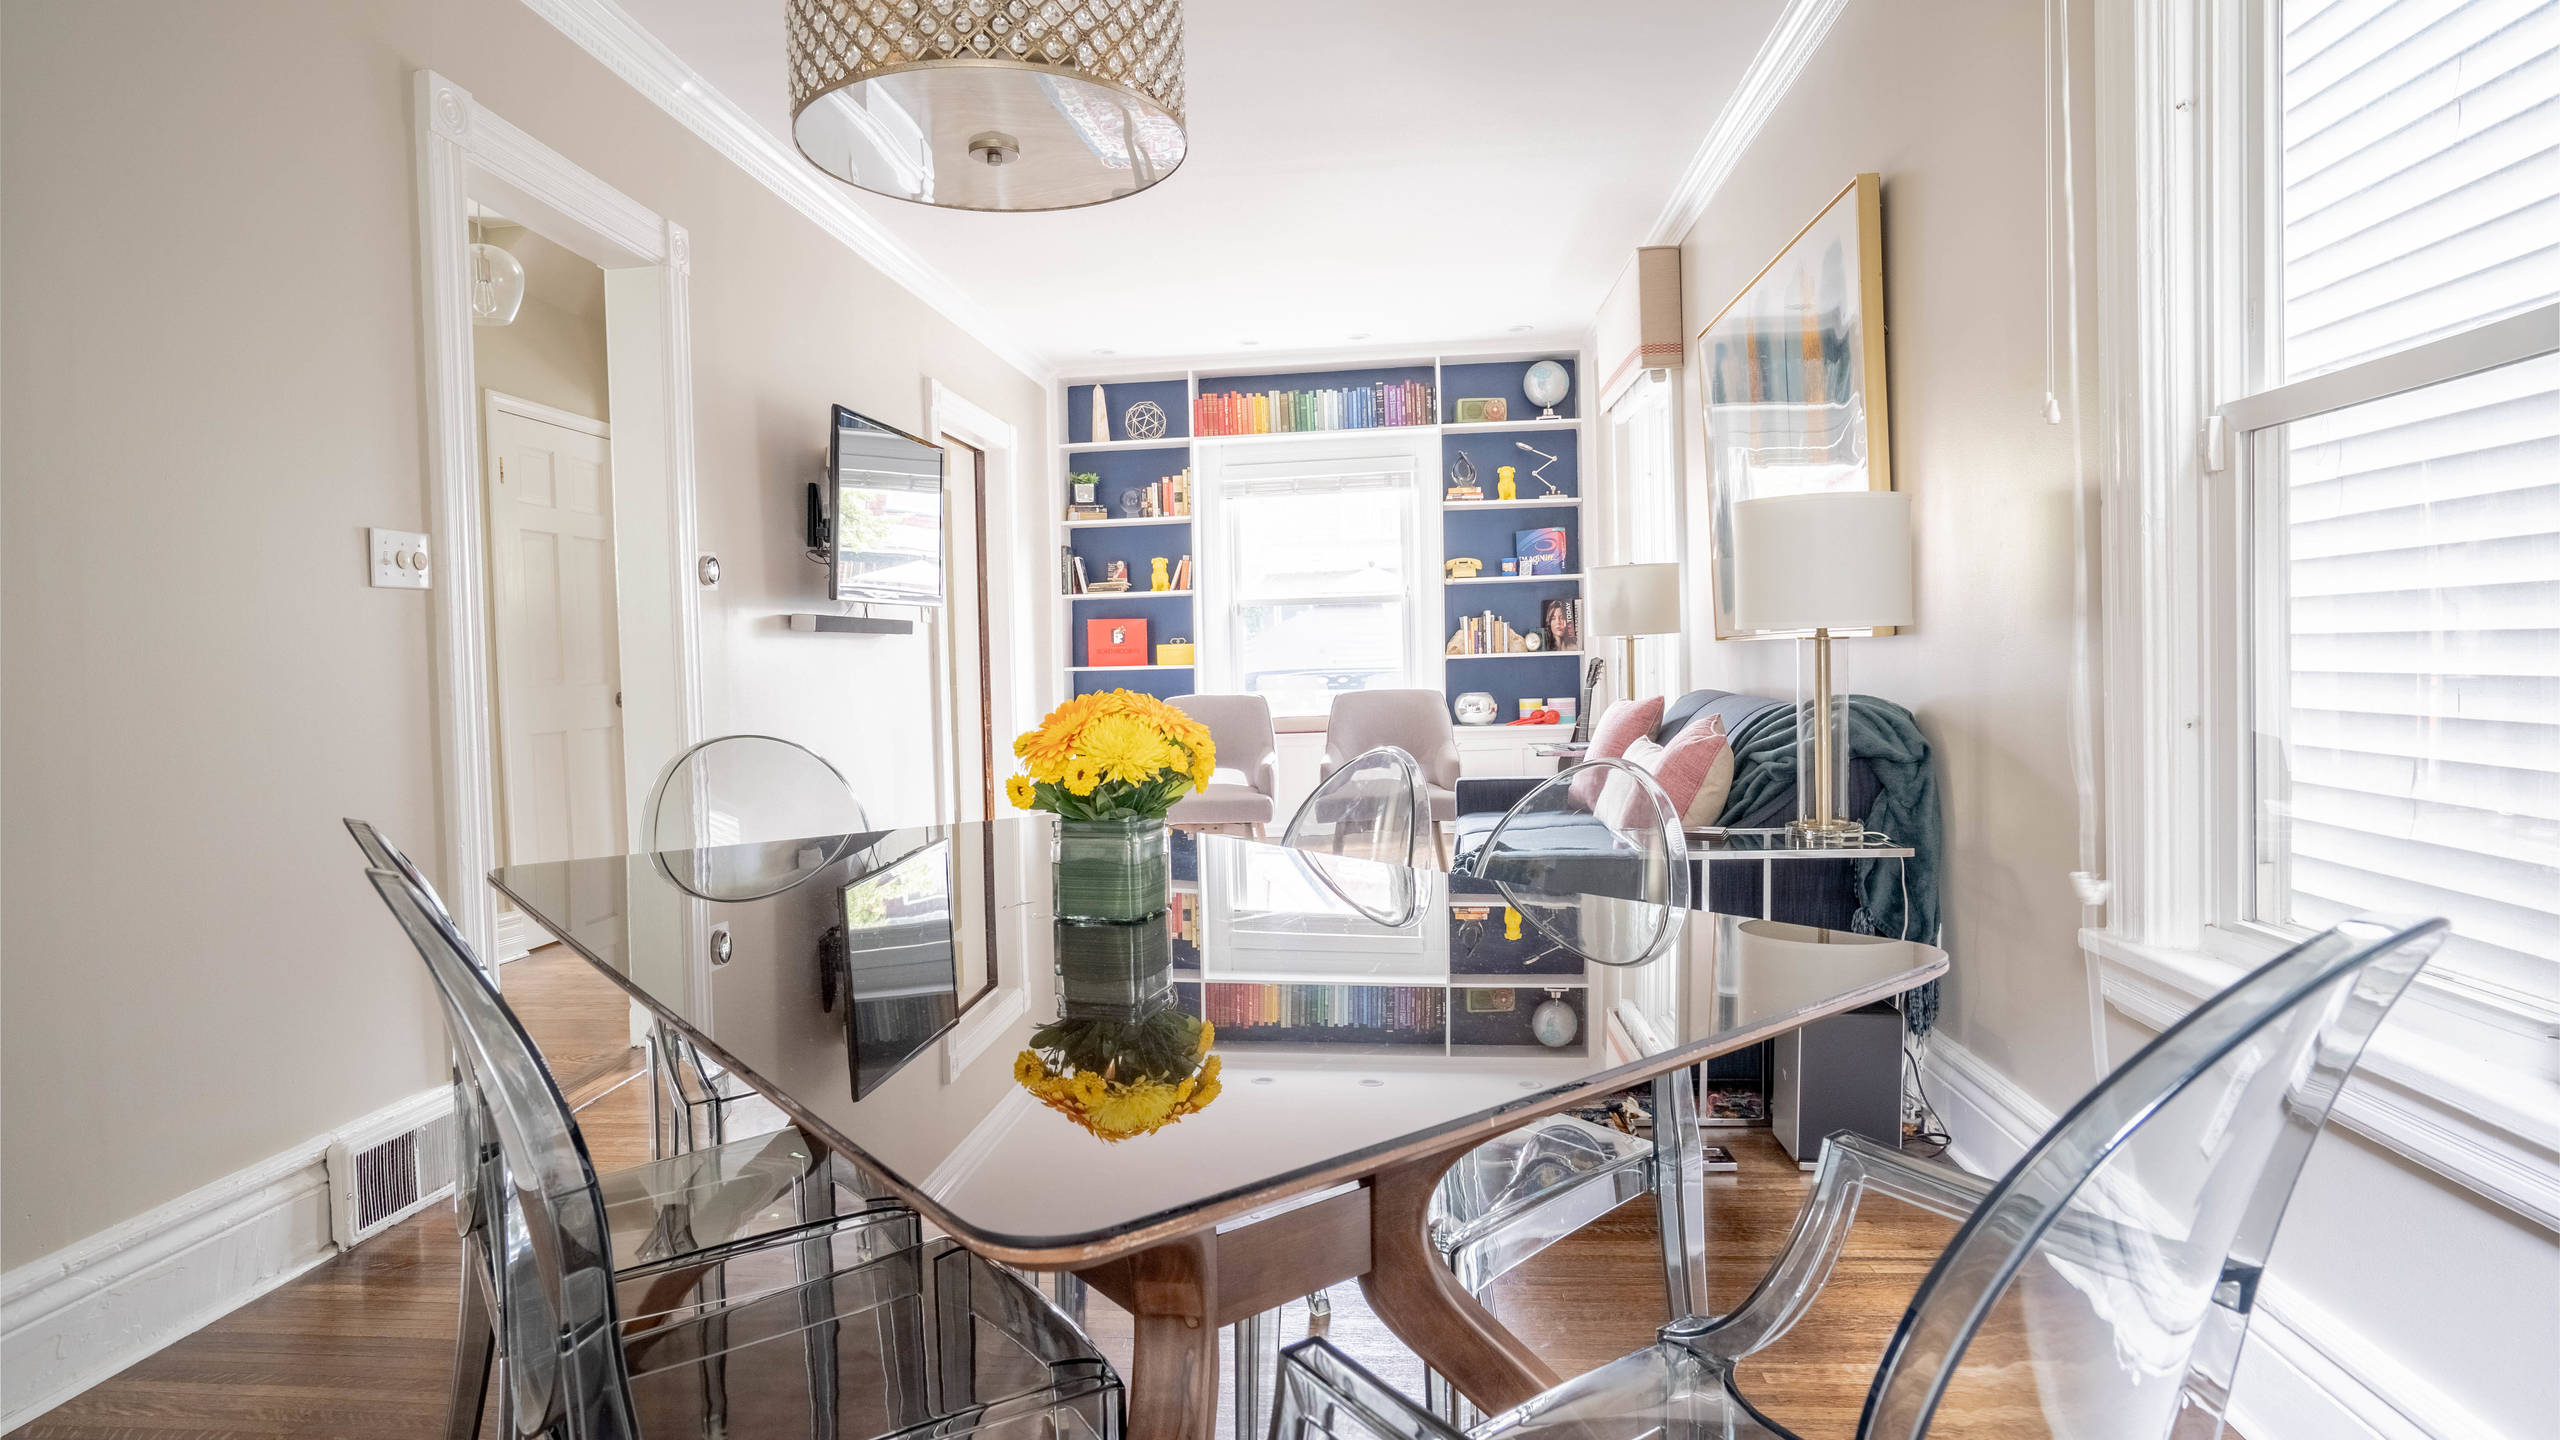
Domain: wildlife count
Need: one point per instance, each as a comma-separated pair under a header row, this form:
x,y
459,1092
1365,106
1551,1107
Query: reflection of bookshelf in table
x,y
1439,1015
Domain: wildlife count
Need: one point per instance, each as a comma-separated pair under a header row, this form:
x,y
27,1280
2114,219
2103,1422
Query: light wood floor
x,y
360,1346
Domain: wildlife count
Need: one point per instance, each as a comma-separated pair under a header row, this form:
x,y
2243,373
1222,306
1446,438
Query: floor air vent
x,y
377,1181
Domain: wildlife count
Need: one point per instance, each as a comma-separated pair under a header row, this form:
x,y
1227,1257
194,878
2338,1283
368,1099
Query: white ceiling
x,y
1363,174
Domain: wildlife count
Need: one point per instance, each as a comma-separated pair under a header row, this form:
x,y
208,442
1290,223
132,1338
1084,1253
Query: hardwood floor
x,y
577,1019
361,1345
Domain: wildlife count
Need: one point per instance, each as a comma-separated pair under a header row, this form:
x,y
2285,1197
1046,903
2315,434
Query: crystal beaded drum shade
x,y
989,104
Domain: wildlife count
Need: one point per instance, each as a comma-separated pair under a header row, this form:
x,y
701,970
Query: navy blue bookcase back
x,y
1173,396
1346,379
1137,544
1125,470
1500,380
1492,536
1492,449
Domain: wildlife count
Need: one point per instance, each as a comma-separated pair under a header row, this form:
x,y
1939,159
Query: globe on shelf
x,y
1546,385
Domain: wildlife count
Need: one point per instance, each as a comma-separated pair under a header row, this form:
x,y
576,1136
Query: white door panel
x,y
553,626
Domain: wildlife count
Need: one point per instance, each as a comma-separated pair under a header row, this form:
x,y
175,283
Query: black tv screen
x,y
884,514
902,972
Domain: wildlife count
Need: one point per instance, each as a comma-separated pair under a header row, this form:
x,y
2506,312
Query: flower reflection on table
x,y
1122,1058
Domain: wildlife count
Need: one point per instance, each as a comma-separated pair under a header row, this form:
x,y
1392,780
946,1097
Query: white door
x,y
553,623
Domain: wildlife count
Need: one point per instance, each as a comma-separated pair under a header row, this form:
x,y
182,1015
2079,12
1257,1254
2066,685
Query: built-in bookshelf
x,y
1204,410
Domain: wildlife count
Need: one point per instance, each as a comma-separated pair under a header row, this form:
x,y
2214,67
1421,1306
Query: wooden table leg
x,y
1415,1294
1173,1387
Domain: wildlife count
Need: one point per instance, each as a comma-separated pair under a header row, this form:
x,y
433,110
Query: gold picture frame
x,y
1791,376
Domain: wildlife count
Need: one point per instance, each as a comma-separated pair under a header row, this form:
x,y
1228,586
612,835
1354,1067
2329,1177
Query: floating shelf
x,y
1168,442
1487,427
1128,521
1515,579
1517,655
1093,669
1128,595
1549,502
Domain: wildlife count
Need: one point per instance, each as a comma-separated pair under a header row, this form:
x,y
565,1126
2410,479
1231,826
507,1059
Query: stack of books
x,y
1281,412
1088,512
1488,634
1325,1007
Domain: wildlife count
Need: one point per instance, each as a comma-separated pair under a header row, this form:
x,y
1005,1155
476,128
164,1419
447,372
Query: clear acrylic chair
x,y
2120,1258
1596,859
852,1331
712,1197
737,817
1373,806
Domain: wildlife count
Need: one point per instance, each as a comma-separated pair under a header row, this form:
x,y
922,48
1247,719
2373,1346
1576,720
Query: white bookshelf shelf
x,y
1118,669
1488,427
1518,655
1550,502
1515,579
1168,442
1314,434
1124,522
1129,595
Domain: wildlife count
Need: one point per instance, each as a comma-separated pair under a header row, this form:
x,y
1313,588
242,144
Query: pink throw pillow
x,y
1621,725
1696,770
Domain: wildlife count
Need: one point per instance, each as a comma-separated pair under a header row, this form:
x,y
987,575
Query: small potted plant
x,y
1109,766
1084,482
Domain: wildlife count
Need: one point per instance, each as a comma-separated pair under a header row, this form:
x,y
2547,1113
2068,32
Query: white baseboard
x,y
2305,1375
87,1311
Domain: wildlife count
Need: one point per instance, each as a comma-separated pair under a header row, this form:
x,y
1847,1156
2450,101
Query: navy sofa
x,y
1805,893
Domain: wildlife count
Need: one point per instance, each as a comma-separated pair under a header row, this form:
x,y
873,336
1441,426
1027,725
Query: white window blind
x,y
2407,548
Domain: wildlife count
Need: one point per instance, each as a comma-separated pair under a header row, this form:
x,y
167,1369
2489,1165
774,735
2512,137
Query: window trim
x,y
2183,360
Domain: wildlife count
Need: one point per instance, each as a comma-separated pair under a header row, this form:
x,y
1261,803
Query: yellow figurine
x,y
1507,483
1156,578
1510,923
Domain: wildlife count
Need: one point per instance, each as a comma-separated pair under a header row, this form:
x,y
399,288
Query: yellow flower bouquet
x,y
1120,1079
1116,755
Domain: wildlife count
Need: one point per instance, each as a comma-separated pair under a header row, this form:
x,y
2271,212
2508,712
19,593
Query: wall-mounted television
x,y
878,523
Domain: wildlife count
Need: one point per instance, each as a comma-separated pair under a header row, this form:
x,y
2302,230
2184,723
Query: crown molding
x,y
606,31
1765,81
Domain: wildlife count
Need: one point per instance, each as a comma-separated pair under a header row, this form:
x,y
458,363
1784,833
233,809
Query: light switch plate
x,y
399,559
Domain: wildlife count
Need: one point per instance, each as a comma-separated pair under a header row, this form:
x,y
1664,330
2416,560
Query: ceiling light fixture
x,y
989,104
1522,329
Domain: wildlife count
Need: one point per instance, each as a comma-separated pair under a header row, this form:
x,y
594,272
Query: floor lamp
x,y
1833,561
1628,601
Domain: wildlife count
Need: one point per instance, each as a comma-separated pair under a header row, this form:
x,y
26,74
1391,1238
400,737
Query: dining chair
x,y
2120,1258
1595,857
736,817
910,1337
1374,806
1413,721
1243,793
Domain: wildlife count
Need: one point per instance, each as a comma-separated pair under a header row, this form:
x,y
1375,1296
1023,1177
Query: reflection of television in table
x,y
877,522
900,973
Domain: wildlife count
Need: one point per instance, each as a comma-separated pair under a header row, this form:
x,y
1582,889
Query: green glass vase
x,y
1112,869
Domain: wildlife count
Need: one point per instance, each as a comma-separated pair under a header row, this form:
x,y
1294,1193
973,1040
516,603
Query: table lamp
x,y
1628,601
1837,560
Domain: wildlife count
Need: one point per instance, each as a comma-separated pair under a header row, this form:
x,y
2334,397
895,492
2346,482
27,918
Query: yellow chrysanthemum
x,y
1124,748
1017,788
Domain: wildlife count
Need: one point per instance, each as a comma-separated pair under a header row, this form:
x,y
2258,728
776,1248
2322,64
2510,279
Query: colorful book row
x,y
1326,1007
1283,412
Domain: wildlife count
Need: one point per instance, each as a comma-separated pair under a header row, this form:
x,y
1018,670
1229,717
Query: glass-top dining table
x,y
909,997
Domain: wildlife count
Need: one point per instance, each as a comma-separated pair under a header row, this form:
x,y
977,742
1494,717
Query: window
x,y
1320,558
1644,457
2400,545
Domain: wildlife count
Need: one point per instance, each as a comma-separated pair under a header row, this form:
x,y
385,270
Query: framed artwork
x,y
1792,374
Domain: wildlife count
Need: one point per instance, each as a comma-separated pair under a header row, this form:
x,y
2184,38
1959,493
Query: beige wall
x,y
1945,103
201,422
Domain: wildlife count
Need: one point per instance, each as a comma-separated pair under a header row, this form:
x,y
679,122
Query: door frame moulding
x,y
467,153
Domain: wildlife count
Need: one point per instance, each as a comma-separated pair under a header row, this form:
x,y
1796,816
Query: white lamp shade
x,y
1838,560
1634,600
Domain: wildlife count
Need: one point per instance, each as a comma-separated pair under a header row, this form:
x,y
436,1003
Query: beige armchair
x,y
1242,793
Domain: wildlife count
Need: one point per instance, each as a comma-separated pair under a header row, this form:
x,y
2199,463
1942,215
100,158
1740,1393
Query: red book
x,y
1115,642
